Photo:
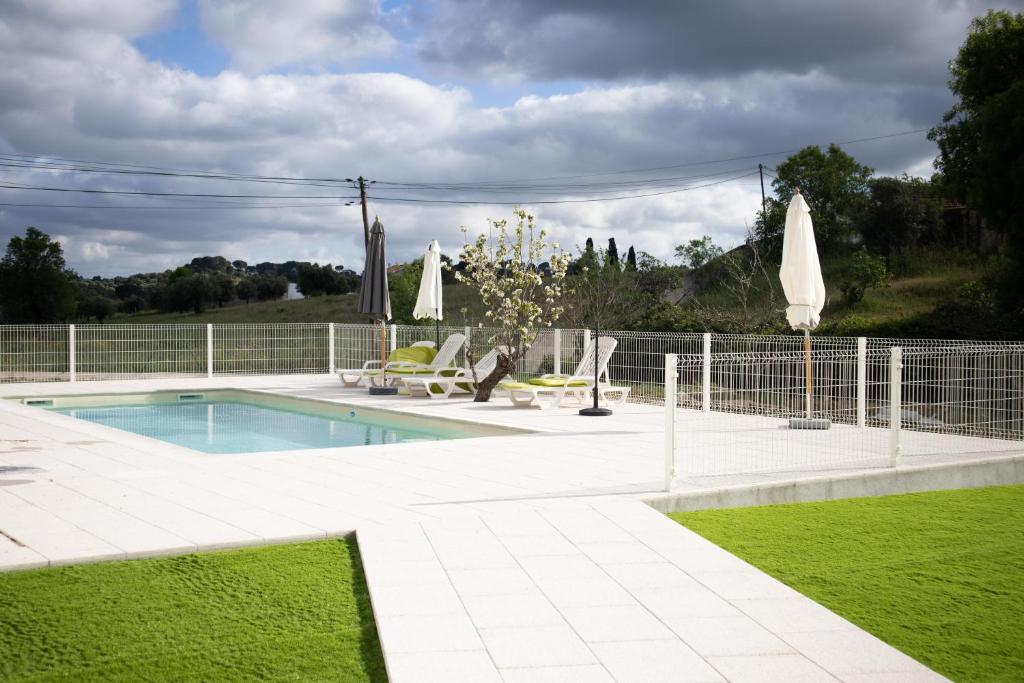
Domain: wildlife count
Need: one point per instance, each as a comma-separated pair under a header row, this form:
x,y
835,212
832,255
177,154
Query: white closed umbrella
x,y
428,301
801,278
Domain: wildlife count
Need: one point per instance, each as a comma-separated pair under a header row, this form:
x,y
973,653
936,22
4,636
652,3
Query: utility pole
x,y
760,172
366,221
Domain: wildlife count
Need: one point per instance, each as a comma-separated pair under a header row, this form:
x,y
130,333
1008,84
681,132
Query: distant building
x,y
292,293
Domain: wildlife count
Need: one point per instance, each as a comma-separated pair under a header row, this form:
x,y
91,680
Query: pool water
x,y
230,426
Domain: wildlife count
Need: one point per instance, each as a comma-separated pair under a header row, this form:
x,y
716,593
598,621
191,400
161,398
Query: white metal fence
x,y
727,413
970,390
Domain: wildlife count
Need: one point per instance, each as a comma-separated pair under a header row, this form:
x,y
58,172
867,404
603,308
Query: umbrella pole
x,y
383,352
437,333
808,370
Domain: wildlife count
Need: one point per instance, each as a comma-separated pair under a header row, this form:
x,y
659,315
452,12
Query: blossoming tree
x,y
520,297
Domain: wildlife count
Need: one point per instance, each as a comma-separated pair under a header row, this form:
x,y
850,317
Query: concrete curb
x,y
957,475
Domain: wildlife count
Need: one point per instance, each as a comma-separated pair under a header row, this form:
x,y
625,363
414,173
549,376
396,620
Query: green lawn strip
x,y
285,612
938,575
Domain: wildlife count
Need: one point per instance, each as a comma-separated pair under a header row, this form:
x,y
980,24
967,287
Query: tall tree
x,y
631,259
834,185
612,257
981,139
35,283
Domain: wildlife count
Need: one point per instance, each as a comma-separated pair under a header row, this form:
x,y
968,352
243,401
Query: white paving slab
x,y
506,558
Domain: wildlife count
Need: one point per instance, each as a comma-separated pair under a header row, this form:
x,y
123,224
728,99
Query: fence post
x,y
705,377
862,379
209,349
330,348
557,352
671,376
586,340
895,403
394,337
71,354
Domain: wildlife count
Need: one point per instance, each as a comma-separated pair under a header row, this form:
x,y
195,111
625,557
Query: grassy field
x,y
938,575
295,612
321,309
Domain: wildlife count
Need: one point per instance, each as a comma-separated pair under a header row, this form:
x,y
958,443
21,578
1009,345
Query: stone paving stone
x,y
726,636
510,581
793,615
654,661
531,646
615,622
442,667
558,674
852,652
428,633
489,611
791,668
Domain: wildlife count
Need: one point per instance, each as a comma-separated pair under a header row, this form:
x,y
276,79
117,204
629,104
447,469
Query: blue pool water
x,y
237,427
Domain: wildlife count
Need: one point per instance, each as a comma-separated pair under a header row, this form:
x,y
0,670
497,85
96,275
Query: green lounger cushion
x,y
413,354
556,382
546,382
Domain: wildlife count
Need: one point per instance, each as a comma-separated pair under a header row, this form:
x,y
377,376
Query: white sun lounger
x,y
578,386
357,377
444,381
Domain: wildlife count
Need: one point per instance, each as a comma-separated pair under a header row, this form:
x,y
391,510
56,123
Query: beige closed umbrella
x,y
428,299
804,288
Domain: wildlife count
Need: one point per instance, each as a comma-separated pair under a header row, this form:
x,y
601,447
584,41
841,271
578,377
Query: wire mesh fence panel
x,y
639,360
741,423
971,392
34,353
127,351
355,344
270,349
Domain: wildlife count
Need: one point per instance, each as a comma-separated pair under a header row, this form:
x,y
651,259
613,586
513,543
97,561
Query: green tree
x,y
981,139
612,257
834,185
403,288
35,283
631,259
270,287
246,289
901,214
864,272
696,253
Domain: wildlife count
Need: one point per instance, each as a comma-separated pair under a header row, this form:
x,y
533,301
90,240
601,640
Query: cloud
x,y
262,34
877,40
92,95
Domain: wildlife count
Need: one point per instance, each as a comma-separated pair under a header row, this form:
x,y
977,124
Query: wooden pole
x,y
760,172
808,370
366,220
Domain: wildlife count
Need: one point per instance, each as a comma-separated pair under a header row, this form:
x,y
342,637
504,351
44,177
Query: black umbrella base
x,y
383,391
596,412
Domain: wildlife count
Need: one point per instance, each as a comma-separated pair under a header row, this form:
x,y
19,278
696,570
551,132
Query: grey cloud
x,y
876,40
104,101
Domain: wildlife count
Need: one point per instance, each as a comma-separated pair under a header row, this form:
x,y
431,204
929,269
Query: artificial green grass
x,y
938,575
286,612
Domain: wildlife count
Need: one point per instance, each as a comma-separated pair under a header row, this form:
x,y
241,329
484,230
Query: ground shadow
x,y
369,640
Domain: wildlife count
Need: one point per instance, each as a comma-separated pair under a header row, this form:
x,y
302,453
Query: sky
x,y
555,99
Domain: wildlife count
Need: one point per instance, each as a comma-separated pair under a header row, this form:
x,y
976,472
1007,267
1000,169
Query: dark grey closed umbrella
x,y
373,290
374,300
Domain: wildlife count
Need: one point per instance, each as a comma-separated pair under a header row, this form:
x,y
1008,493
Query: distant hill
x,y
339,308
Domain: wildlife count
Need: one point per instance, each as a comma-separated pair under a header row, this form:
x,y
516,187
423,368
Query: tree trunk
x,y
487,384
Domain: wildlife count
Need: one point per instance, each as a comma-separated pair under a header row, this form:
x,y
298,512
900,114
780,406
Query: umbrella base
x,y
383,391
809,423
596,412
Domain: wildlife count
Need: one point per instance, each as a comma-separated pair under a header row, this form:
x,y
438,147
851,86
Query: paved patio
x,y
515,558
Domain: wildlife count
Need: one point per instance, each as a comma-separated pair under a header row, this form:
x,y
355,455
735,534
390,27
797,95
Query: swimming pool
x,y
230,421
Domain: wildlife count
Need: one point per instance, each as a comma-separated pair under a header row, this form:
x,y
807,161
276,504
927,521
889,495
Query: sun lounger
x,y
444,381
549,391
421,352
